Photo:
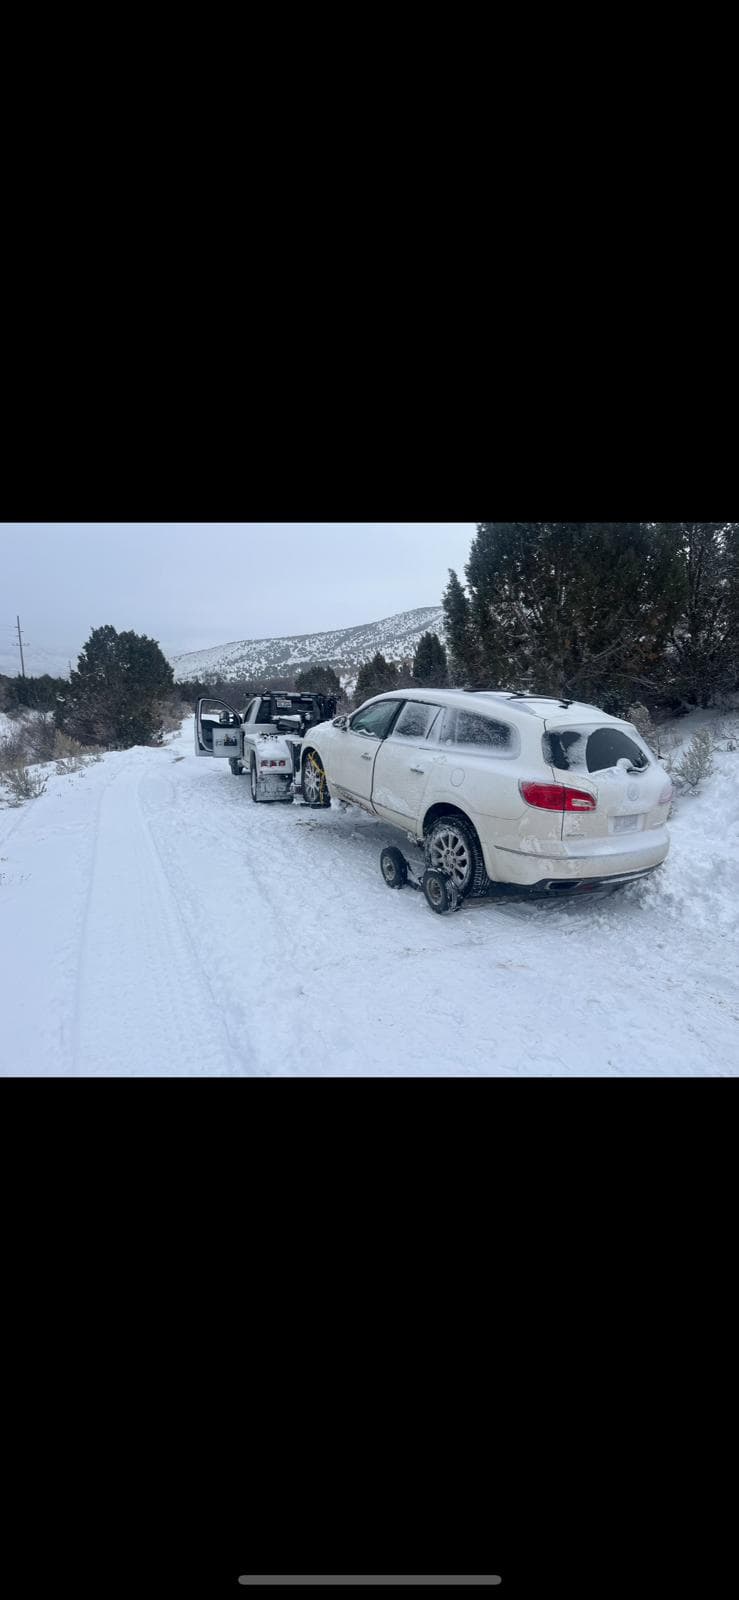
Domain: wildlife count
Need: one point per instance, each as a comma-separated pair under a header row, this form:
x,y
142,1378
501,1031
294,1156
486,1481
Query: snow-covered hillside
x,y
154,921
344,649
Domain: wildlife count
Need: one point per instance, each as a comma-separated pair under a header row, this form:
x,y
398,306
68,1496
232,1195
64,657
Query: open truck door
x,y
218,731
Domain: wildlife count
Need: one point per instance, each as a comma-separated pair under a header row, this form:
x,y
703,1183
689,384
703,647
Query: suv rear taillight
x,y
557,797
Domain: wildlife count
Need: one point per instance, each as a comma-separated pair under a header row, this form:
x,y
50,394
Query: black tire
x,y
441,892
394,868
452,847
237,768
315,783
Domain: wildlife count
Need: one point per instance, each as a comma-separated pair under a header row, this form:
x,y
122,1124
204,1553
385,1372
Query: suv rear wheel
x,y
452,846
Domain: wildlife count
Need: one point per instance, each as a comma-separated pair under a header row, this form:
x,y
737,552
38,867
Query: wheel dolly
x,y
439,888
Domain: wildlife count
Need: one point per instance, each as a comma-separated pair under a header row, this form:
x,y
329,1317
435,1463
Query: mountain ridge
x,y
344,649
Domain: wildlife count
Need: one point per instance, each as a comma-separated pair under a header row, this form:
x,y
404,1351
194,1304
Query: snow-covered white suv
x,y
502,788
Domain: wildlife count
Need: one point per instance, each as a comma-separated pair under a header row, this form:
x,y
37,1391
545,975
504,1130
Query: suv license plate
x,y
625,824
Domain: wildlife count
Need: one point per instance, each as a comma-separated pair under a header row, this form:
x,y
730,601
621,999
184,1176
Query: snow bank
x,y
699,882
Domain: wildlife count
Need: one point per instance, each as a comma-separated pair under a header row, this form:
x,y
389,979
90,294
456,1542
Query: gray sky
x,y
191,585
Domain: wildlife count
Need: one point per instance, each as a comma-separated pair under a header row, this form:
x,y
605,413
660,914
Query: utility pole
x,y
20,647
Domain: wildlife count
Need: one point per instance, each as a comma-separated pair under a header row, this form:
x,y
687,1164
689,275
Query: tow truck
x,y
264,741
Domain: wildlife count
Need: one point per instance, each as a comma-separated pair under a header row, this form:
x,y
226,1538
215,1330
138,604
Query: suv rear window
x,y
591,749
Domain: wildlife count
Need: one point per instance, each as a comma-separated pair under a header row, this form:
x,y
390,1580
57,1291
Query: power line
x,y
20,647
16,628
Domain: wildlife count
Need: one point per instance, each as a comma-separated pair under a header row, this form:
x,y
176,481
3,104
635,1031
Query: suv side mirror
x,y
341,722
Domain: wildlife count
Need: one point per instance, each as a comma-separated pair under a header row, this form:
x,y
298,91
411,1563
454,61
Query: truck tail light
x,y
557,797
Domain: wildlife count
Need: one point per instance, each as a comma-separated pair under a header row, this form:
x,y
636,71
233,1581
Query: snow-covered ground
x,y
154,921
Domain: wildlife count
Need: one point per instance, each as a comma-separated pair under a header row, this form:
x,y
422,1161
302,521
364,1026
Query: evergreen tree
x,y
430,667
582,609
112,696
38,694
463,639
704,653
377,676
732,577
320,679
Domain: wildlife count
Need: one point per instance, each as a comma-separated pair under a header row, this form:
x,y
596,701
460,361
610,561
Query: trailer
x,y
265,741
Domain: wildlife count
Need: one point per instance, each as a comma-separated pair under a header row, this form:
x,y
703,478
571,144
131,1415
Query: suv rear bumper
x,y
555,888
608,861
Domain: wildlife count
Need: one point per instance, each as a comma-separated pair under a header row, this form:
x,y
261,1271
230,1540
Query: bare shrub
x,y
20,784
39,740
170,713
13,748
71,756
697,762
66,748
726,739
642,721
41,737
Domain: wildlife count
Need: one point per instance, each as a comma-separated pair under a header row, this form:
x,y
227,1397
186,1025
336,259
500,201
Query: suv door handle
x,y
366,755
419,770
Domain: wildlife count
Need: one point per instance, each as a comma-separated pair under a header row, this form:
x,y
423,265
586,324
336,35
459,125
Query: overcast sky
x,y
195,584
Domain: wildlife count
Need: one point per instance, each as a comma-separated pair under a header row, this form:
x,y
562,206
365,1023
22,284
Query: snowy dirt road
x,y
154,921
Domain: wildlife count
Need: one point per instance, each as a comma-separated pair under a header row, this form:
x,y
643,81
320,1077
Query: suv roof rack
x,y
549,699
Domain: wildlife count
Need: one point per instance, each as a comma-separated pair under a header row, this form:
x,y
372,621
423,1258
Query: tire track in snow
x,y
191,917
143,1007
236,911
70,1041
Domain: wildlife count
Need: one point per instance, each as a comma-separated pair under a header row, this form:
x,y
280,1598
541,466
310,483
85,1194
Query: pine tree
x,y
582,609
430,668
377,676
320,679
461,633
704,653
112,696
732,579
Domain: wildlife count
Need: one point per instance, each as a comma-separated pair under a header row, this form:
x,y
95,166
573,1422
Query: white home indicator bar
x,y
371,1581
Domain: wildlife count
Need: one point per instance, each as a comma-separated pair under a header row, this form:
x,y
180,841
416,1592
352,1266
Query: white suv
x,y
544,795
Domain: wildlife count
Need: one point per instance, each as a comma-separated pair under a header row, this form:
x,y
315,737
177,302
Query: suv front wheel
x,y
315,785
452,846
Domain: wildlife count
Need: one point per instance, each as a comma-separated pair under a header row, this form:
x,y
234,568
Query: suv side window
x,y
415,720
375,721
476,733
